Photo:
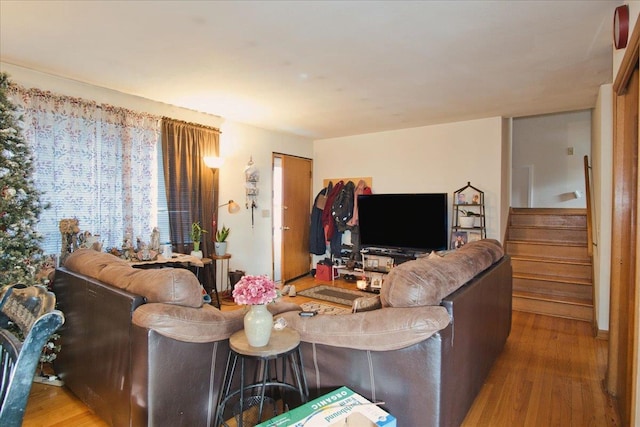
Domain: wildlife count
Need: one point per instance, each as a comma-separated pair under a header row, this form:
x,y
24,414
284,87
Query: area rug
x,y
323,308
333,294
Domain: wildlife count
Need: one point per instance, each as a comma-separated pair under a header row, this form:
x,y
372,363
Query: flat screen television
x,y
412,222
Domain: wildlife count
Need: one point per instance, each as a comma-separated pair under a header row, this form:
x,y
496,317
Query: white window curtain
x,y
97,163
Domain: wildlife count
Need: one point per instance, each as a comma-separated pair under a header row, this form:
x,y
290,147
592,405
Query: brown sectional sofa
x,y
141,349
139,346
427,350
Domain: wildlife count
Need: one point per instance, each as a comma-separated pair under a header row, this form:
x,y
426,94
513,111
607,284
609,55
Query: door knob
x,y
286,228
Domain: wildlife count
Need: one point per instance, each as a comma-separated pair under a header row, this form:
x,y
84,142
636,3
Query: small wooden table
x,y
223,260
283,345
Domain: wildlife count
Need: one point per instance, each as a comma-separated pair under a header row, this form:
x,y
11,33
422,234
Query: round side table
x,y
284,346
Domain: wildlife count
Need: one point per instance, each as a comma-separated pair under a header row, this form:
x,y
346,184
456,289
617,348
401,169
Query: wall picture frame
x,y
459,239
375,280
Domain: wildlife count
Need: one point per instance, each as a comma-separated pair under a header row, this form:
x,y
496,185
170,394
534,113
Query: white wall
x,y
250,247
31,78
543,142
430,159
602,177
507,135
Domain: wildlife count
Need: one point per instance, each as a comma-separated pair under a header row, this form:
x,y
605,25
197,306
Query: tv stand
x,y
392,252
378,262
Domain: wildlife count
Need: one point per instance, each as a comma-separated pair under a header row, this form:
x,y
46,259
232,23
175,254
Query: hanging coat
x,y
317,241
328,222
342,209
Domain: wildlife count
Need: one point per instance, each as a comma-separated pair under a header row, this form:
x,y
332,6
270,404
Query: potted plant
x,y
467,218
220,242
196,237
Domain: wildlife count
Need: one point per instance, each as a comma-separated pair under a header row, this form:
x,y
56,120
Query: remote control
x,y
308,313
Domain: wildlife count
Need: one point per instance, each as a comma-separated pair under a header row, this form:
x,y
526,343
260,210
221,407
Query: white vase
x,y
258,323
197,254
220,248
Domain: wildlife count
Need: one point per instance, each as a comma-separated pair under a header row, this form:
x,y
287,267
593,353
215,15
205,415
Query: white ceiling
x,y
325,68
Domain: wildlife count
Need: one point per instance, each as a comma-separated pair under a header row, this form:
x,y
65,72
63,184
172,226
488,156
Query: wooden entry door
x,y
296,218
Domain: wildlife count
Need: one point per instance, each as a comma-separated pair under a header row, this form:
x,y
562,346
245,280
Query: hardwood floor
x,y
550,373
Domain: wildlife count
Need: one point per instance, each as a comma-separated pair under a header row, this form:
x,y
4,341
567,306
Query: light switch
x,y
570,151
265,213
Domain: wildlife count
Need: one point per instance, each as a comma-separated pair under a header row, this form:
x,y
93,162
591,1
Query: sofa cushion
x,y
90,262
425,281
165,285
378,330
362,304
206,324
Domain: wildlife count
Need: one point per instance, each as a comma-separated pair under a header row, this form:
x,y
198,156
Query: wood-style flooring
x,y
550,374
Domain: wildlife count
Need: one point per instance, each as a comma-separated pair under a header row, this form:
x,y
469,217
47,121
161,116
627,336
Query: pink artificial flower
x,y
254,290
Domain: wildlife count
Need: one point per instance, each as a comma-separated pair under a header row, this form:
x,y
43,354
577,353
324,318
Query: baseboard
x,y
598,333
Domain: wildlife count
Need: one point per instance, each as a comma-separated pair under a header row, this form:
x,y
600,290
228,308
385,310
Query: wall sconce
x,y
213,162
232,207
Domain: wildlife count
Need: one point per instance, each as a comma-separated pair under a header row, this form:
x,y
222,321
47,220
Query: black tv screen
x,y
415,222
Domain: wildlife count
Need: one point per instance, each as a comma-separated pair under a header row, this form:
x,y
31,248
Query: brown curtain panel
x,y
192,188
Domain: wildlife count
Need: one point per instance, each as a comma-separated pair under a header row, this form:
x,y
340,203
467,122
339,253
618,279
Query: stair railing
x,y
587,180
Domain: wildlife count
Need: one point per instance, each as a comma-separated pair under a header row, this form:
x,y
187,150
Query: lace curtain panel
x,y
95,162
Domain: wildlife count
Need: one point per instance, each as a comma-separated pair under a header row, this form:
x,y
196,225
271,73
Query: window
x,y
163,210
97,163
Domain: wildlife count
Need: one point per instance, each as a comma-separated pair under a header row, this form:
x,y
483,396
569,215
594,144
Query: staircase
x,y
552,270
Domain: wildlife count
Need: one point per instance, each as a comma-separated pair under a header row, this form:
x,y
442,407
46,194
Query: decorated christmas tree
x,y
20,205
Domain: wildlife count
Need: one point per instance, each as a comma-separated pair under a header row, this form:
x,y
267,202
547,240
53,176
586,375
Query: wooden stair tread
x,y
549,211
558,279
554,298
551,260
549,227
566,311
548,242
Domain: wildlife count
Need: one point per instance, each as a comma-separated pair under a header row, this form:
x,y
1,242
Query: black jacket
x,y
317,242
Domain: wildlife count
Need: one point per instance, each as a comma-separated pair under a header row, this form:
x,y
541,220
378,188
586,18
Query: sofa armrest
x,y
205,324
368,303
378,330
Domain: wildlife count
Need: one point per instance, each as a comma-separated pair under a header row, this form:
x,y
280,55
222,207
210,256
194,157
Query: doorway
x,y
547,159
291,216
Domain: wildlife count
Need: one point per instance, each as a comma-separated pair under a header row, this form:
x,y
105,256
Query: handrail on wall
x,y
587,180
